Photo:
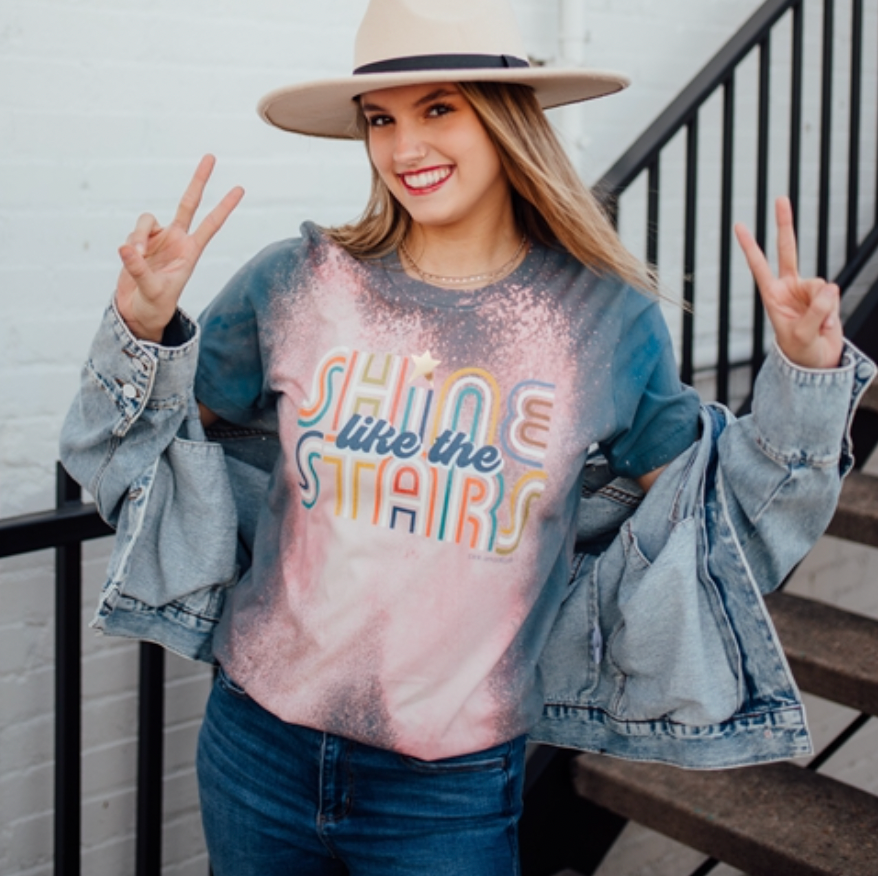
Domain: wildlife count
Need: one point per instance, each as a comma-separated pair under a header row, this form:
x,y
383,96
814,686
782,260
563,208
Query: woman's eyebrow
x,y
434,95
427,98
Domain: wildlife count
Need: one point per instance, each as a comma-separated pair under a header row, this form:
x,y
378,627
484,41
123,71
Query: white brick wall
x,y
105,108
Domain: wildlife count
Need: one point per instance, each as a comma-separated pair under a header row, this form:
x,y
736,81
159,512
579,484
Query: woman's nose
x,y
408,146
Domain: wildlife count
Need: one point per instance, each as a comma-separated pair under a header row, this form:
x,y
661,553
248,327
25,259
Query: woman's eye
x,y
440,109
379,121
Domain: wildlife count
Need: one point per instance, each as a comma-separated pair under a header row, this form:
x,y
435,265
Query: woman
x,y
438,372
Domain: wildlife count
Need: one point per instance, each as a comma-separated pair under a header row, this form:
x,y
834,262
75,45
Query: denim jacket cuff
x,y
140,374
803,415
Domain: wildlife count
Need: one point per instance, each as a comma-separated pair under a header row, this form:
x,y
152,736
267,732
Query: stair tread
x,y
771,820
832,652
856,518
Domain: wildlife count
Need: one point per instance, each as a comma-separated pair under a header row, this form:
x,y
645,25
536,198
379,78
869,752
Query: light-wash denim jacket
x,y
663,650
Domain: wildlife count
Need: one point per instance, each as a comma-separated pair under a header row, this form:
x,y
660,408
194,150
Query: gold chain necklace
x,y
489,277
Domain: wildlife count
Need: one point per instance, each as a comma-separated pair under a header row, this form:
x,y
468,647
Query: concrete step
x,y
772,820
833,653
856,518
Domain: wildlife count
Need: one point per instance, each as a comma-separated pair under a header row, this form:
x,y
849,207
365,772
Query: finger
x,y
755,257
821,315
191,199
216,218
134,263
833,316
146,226
787,257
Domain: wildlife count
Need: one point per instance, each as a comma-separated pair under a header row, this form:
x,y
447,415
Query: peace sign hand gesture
x,y
803,312
157,262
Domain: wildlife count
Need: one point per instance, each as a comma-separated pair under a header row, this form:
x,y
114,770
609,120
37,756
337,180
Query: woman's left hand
x,y
804,312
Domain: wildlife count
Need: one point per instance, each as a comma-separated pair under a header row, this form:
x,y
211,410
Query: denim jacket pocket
x,y
673,648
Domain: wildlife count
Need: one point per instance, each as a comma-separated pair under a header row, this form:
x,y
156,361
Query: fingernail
x,y
140,248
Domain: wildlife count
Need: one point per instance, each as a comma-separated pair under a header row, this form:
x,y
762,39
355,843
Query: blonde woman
x,y
439,373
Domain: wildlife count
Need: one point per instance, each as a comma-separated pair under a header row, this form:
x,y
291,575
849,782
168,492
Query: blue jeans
x,y
277,798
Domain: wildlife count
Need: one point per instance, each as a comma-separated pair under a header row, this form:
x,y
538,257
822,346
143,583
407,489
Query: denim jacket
x,y
663,649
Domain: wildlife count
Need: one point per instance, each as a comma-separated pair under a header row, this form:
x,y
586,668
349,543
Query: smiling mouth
x,y
425,181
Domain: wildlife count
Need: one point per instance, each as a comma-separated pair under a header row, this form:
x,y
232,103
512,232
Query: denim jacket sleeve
x,y
132,390
781,469
133,439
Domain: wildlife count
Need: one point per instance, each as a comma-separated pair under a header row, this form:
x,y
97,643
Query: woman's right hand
x,y
157,262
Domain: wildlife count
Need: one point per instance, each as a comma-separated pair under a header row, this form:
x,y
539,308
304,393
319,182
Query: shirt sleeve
x,y
656,415
231,378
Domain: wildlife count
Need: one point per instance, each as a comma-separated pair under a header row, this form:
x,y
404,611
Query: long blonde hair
x,y
552,205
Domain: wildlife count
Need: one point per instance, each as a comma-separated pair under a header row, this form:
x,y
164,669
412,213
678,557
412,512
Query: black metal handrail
x,y
644,157
70,524
682,110
65,529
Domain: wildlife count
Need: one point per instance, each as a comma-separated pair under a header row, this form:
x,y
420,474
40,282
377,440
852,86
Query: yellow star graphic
x,y
424,366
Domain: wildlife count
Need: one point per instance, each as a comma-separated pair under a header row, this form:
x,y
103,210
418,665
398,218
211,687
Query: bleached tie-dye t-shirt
x,y
417,537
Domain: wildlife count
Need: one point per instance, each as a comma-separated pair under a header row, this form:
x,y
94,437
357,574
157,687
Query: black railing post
x,y
725,269
150,759
652,213
690,225
758,351
795,169
854,129
825,140
610,204
68,689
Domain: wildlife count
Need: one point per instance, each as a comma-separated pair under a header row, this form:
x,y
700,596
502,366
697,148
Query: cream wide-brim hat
x,y
415,42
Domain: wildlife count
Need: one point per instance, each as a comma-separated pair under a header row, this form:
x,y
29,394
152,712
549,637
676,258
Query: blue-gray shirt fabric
x,y
598,347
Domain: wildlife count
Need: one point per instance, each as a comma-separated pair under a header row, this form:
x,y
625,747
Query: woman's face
x,y
433,153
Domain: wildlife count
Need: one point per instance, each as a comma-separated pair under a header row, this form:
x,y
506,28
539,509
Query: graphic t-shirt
x,y
416,541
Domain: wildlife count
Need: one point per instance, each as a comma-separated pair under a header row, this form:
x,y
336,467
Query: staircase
x,y
778,819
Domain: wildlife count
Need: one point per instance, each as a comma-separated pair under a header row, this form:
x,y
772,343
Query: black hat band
x,y
442,62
